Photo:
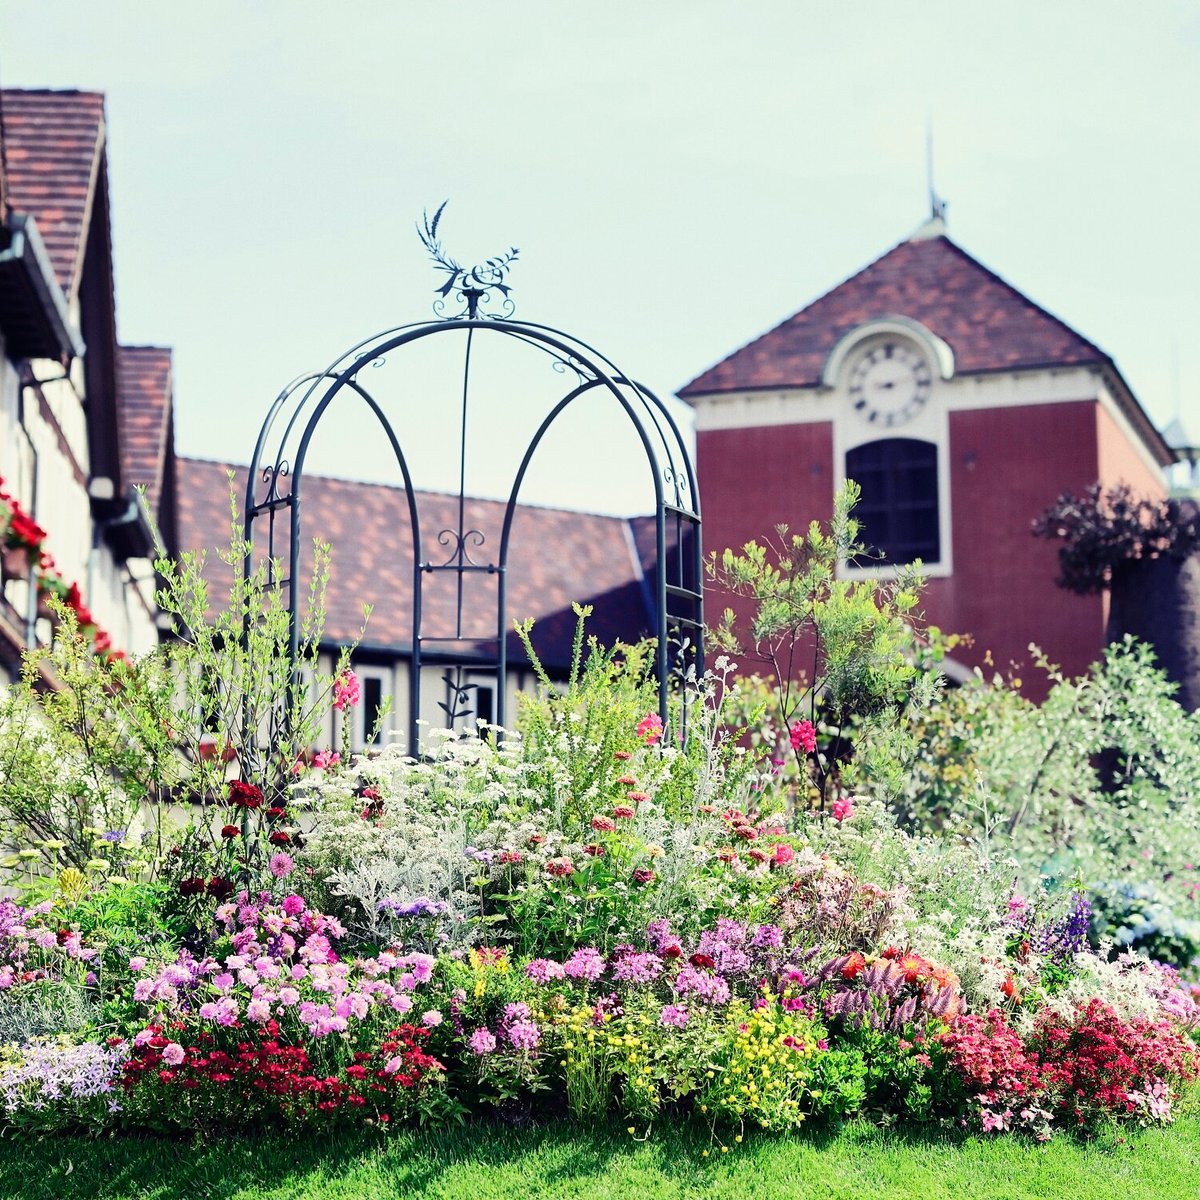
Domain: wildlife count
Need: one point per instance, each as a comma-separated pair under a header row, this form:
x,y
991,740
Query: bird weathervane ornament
x,y
470,286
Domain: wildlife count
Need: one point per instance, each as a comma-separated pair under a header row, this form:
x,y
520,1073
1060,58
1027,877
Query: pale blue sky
x,y
678,176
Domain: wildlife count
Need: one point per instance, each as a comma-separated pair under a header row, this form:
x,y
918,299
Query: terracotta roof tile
x,y
52,146
988,324
144,397
556,557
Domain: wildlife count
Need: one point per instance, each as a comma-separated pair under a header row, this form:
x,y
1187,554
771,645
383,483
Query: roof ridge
x,y
51,91
1020,295
421,491
793,315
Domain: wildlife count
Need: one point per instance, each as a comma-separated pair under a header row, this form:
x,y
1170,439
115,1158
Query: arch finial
x,y
471,286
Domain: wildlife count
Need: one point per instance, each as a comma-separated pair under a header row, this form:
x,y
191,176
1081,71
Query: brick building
x,y
961,407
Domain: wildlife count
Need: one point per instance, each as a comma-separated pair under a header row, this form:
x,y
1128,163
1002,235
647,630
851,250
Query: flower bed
x,y
589,918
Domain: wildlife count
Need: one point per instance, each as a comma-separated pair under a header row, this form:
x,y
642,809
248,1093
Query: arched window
x,y
898,513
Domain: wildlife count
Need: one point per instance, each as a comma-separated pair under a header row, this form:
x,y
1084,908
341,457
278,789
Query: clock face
x,y
890,383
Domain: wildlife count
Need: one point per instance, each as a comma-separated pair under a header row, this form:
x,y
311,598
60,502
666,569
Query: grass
x,y
487,1161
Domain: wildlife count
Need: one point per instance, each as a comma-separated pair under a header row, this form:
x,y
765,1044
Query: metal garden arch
x,y
274,488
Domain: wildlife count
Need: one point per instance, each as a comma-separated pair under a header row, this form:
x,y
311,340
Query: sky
x,y
679,177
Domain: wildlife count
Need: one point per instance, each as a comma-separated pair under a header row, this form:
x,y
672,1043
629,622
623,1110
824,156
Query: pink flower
x,y
431,1019
783,854
345,691
650,728
603,824
173,1054
542,970
293,905
482,1041
281,865
843,807
324,759
137,963
804,736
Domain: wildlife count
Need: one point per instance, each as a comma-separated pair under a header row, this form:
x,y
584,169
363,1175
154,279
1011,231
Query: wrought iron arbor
x,y
275,492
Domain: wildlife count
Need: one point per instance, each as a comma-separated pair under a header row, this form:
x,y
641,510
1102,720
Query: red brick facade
x,y
1015,425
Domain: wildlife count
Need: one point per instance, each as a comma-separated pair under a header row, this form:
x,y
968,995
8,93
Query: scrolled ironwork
x,y
472,286
459,556
271,475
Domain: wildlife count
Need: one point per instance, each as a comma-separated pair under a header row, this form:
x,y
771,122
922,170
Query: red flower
x,y
594,850
643,875
275,812
244,795
703,960
191,887
854,967
279,838
230,831
218,888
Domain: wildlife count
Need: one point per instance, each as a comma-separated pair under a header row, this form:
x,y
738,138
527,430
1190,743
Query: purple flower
x,y
701,985
524,1035
482,1041
767,937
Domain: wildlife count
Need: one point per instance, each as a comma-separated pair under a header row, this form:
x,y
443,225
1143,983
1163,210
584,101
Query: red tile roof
x,y
144,397
52,147
556,557
988,324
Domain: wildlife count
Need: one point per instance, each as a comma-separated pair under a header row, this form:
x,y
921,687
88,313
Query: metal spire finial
x,y
937,206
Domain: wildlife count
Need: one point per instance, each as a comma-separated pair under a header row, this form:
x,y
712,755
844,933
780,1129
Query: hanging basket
x,y
16,561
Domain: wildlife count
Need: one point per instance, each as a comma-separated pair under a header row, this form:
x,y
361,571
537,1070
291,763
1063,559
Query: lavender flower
x,y
56,1073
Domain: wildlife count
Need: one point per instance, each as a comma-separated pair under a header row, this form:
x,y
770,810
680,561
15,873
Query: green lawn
x,y
488,1161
